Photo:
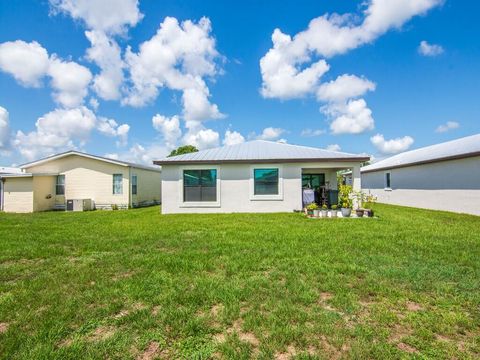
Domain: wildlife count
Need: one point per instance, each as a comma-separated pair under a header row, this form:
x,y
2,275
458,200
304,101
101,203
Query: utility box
x,y
79,205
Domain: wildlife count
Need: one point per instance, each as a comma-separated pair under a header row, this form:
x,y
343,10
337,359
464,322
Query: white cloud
x,y
26,62
427,49
110,127
270,133
312,132
344,87
4,131
202,139
109,16
392,146
29,63
106,53
69,81
333,147
292,68
57,130
169,128
178,57
354,117
113,156
144,154
233,138
449,125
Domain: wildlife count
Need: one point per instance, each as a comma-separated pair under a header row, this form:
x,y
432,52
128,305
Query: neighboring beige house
x,y
255,176
50,183
444,176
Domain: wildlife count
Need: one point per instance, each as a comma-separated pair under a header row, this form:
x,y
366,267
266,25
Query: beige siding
x,y
43,193
149,185
18,194
88,179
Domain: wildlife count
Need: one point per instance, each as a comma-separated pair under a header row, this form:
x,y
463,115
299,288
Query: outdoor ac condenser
x,y
79,205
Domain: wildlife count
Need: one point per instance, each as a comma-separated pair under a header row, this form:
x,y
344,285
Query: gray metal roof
x,y
96,157
455,149
258,151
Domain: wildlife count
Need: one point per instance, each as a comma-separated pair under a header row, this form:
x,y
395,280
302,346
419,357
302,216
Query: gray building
x,y
444,176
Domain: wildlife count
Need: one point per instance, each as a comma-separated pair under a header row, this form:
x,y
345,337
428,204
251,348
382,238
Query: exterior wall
x,y
43,193
235,187
149,185
89,179
18,194
447,185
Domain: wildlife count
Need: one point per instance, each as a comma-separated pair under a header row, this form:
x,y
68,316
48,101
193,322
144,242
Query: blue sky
x,y
380,94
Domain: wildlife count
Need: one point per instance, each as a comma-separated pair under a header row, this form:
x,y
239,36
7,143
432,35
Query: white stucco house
x,y
445,176
255,176
55,182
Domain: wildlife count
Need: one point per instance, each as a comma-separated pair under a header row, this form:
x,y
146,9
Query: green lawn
x,y
137,284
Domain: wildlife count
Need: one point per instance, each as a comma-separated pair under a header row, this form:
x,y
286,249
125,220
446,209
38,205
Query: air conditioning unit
x,y
79,205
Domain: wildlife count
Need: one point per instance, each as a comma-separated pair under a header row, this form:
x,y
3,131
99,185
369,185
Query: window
x,y
265,181
60,185
134,185
117,184
388,180
313,181
200,185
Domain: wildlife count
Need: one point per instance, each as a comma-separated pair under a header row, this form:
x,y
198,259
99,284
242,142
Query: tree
x,y
186,149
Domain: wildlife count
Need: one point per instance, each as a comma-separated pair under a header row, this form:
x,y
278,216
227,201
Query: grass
x,y
137,284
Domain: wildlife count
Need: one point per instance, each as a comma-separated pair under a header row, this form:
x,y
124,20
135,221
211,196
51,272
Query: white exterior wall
x,y
447,185
235,187
18,195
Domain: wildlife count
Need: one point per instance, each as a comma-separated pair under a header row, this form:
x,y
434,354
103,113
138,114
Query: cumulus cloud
x,y
312,132
63,129
233,138
4,131
109,16
144,154
392,146
270,133
333,147
26,62
29,64
169,128
427,49
179,56
449,125
293,67
202,138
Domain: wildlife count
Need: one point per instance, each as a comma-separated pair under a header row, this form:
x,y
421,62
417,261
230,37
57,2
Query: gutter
x,y
258,161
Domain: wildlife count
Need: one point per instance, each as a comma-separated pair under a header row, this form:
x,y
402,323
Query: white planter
x,y
334,213
316,213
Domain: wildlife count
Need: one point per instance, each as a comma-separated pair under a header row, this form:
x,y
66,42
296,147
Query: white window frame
x,y
276,197
387,188
113,185
198,204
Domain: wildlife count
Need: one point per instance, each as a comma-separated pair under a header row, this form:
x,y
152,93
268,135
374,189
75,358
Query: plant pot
x,y
346,212
360,212
334,213
324,213
316,213
310,212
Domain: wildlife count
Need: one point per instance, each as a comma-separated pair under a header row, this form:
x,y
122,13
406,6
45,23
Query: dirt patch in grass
x,y
407,348
216,310
101,333
413,306
153,351
325,296
125,312
3,327
245,336
333,352
288,354
398,333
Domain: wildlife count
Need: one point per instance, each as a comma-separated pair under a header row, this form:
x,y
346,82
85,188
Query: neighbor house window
x,y
265,181
388,180
60,185
134,184
199,185
117,184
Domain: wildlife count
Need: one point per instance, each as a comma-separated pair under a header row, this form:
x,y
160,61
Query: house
x,y
255,176
445,176
48,183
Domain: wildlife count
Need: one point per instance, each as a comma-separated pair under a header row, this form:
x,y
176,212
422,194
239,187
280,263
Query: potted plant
x,y
344,194
369,201
312,209
324,210
359,212
334,211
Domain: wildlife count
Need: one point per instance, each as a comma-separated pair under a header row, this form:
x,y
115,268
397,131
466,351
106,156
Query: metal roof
x,y
95,157
258,151
456,149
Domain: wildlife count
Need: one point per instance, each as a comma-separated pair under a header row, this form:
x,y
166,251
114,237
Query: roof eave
x,y
259,161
